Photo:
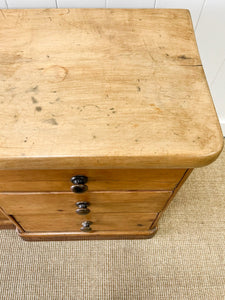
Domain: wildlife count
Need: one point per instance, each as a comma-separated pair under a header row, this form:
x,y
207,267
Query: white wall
x,y
209,23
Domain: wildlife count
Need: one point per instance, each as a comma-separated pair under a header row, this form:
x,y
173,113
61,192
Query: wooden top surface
x,y
86,88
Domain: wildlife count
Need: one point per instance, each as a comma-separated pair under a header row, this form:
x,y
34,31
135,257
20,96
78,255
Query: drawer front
x,y
72,222
98,180
98,202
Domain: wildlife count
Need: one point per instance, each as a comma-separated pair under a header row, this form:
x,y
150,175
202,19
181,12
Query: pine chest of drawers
x,y
104,114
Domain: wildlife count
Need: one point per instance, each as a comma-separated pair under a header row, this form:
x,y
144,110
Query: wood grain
x,y
9,222
101,202
115,179
103,88
68,236
72,222
2,217
5,222
195,7
176,190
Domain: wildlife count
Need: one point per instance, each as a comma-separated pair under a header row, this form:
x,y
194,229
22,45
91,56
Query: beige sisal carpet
x,y
185,260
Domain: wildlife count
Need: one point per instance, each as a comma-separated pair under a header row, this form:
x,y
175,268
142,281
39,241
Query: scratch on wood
x,y
51,121
146,47
32,89
10,89
184,57
3,14
67,12
34,100
190,65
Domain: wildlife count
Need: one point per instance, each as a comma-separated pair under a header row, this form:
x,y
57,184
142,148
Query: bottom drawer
x,y
5,223
71,222
2,217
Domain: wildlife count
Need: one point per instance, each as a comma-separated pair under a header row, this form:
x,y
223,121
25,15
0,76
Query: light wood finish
x,y
59,180
73,222
117,95
195,7
11,220
103,88
182,181
99,235
100,202
5,222
2,217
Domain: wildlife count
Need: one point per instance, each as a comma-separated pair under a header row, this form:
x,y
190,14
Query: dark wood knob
x,y
79,184
86,226
82,208
79,188
79,179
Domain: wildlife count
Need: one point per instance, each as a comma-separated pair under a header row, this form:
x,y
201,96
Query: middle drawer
x,y
53,203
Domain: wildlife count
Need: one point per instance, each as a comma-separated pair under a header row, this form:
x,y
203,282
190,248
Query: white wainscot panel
x,y
194,6
211,37
31,3
218,94
130,3
2,4
81,3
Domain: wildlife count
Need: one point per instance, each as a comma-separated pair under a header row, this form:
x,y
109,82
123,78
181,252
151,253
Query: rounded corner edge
x,y
209,158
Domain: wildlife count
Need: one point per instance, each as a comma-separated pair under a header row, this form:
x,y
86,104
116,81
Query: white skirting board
x,y
223,127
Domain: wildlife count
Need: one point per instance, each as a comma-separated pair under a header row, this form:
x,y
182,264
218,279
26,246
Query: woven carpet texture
x,y
185,259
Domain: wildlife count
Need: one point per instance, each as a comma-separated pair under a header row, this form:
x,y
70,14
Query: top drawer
x,y
98,180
